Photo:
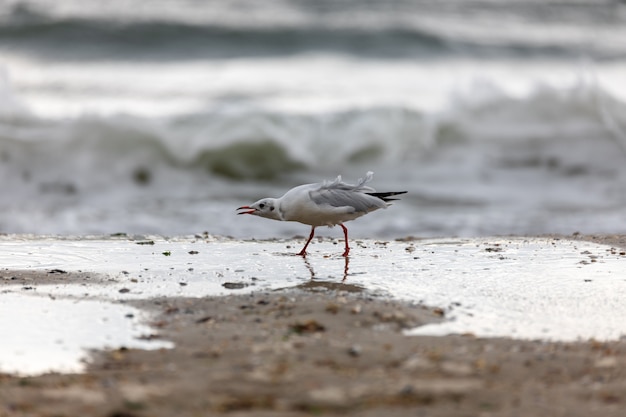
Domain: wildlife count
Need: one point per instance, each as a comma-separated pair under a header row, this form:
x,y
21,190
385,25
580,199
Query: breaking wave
x,y
265,145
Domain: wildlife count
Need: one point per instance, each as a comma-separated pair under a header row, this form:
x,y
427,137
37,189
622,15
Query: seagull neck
x,y
279,209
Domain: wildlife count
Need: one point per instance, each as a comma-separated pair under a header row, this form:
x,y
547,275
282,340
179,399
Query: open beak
x,y
248,210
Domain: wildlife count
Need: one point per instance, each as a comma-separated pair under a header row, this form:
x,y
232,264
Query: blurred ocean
x,y
163,116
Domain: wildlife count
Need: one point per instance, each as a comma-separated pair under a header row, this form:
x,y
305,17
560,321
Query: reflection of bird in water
x,y
314,284
345,268
323,204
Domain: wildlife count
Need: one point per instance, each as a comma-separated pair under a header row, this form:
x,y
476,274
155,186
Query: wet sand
x,y
322,348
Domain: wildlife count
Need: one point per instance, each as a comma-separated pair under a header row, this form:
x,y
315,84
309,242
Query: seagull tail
x,y
386,197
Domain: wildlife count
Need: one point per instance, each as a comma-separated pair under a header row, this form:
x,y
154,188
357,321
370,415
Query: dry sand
x,y
324,349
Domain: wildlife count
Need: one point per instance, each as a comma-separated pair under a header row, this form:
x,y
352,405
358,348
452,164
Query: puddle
x,y
555,290
41,335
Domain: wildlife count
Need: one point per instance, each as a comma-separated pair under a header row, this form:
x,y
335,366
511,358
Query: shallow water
x,y
535,288
43,334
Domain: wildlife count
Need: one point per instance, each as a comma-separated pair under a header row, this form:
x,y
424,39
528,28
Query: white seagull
x,y
323,204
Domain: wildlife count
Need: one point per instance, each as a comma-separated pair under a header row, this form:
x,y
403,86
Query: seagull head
x,y
266,207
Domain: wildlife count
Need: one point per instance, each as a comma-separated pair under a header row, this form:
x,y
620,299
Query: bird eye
x,y
261,205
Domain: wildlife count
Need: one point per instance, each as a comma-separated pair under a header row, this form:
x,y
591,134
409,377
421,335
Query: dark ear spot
x,y
272,208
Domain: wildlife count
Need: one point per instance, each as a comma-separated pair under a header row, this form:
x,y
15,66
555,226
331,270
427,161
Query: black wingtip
x,y
386,196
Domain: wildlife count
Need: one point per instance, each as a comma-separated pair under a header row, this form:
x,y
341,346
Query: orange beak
x,y
249,210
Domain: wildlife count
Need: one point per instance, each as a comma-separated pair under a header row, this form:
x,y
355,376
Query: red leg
x,y
345,234
303,251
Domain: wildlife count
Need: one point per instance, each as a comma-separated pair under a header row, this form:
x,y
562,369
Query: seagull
x,y
323,204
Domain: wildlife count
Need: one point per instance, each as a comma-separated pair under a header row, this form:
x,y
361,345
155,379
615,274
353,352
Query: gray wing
x,y
352,197
353,201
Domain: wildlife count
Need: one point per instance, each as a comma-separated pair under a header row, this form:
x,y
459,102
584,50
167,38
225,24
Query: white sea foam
x,y
545,163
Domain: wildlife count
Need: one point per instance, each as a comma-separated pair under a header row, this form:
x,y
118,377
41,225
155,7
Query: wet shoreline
x,y
321,350
324,345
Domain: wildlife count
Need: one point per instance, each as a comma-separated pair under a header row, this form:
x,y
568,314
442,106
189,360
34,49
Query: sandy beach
x,y
320,348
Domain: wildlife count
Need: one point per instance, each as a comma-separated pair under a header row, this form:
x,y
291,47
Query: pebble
x,y
328,396
417,363
234,285
355,351
606,362
456,368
